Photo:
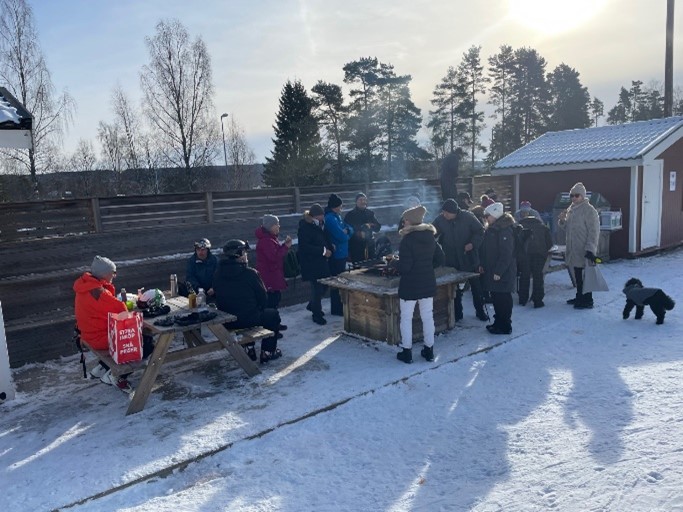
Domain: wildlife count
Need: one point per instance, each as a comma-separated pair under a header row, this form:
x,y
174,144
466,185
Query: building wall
x,y
613,184
672,201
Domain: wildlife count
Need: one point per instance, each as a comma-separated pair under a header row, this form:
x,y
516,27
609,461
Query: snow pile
x,y
7,112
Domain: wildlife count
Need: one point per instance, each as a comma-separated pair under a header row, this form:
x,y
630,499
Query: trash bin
x,y
608,220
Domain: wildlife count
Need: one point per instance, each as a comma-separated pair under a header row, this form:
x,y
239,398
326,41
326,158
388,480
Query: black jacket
x,y
200,273
362,234
497,255
454,234
312,242
418,254
541,240
240,291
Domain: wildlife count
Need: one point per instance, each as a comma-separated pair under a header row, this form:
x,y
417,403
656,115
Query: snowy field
x,y
576,410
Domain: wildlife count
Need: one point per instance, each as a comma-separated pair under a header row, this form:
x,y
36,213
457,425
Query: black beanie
x,y
334,201
450,206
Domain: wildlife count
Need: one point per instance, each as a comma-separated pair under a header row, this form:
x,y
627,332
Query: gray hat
x,y
316,210
102,266
269,221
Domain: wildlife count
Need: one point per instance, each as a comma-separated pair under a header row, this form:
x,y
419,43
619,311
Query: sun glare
x,y
554,16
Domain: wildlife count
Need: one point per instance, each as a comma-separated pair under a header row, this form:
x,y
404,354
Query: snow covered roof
x,y
605,146
15,122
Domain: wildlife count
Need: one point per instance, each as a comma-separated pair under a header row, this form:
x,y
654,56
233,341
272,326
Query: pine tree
x,y
529,110
597,110
471,75
501,72
331,112
570,99
445,122
296,158
621,112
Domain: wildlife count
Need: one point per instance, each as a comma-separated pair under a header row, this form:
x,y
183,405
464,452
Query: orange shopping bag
x,y
125,336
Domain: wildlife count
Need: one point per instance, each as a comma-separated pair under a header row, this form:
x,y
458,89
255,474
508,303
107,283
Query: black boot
x,y
405,355
319,319
427,353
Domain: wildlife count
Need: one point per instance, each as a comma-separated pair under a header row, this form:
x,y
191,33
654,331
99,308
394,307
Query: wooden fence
x,y
45,246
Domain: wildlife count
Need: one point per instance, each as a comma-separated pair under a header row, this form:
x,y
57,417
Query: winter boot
x,y
319,319
427,353
405,355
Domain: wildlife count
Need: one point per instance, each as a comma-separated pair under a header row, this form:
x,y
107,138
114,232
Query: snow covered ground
x,y
576,410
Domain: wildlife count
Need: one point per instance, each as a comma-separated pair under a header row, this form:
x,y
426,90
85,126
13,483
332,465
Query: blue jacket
x,y
334,228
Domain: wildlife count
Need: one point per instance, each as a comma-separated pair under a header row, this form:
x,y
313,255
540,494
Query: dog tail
x,y
669,303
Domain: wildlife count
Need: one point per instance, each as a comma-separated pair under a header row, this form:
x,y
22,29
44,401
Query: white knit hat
x,y
495,210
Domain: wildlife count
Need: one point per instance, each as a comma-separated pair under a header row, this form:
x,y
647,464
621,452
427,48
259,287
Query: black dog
x,y
639,297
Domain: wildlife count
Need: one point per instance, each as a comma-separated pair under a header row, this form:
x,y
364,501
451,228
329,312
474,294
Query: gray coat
x,y
582,228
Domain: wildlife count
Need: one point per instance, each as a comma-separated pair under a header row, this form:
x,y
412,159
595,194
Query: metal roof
x,y
591,145
13,115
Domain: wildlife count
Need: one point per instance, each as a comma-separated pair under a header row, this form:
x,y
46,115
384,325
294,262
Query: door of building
x,y
651,221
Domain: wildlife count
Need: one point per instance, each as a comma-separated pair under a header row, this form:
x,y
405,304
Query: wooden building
x,y
637,167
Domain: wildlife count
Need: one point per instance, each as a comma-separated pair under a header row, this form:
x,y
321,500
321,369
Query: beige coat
x,y
582,228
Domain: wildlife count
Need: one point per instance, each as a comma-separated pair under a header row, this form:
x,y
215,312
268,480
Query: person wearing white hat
x,y
498,266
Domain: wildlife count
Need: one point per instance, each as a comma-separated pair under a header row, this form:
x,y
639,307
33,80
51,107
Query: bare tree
x,y
130,126
178,95
240,157
84,161
113,145
24,72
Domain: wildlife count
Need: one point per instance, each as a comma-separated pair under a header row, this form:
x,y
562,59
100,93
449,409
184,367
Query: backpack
x,y
521,237
291,265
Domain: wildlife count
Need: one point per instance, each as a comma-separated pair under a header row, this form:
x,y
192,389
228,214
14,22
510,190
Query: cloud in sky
x,y
257,46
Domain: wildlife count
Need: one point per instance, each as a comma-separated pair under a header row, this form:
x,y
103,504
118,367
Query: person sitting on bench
x,y
95,299
239,290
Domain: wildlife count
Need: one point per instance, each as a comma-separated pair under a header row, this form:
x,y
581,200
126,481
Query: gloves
x,y
590,256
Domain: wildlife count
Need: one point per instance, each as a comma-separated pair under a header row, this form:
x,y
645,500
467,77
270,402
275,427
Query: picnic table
x,y
371,303
195,344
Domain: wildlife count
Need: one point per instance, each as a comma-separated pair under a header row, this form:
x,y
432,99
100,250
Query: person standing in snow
x,y
531,263
581,223
270,258
314,255
418,254
365,225
338,234
498,266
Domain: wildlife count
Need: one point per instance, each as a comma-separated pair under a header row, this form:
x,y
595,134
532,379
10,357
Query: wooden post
x,y
208,198
96,214
297,200
6,384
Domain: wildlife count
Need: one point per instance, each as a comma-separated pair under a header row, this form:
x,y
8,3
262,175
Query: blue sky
x,y
255,46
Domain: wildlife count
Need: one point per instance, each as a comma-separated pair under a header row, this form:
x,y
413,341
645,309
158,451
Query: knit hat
x,y
486,201
334,201
525,205
359,195
465,196
578,189
414,215
495,210
102,266
316,210
269,221
450,206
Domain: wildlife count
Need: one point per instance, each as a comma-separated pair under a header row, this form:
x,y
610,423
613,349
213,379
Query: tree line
x,y
361,130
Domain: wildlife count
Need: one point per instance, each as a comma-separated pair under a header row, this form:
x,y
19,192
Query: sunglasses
x,y
574,195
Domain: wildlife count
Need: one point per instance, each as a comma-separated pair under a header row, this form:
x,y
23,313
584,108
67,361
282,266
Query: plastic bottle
x,y
174,285
201,298
124,297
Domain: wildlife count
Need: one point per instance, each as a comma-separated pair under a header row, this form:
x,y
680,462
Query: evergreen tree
x,y
621,112
445,122
330,112
597,110
501,72
296,158
529,110
570,99
473,80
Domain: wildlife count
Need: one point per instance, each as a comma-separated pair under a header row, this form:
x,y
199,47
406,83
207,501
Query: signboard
x,y
672,181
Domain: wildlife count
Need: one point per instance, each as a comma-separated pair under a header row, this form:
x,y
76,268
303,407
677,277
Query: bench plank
x,y
251,335
116,369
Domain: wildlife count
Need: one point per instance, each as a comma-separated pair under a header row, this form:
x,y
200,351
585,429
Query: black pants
x,y
315,301
477,297
147,349
273,300
531,267
580,296
502,309
337,266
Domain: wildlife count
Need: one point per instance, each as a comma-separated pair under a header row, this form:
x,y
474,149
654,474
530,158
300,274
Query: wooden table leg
x,y
149,376
347,310
227,339
450,292
193,338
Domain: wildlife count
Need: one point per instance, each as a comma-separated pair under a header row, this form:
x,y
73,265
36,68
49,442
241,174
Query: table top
x,y
179,305
358,281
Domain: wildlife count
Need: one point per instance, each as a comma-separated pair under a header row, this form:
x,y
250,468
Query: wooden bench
x,y
252,335
116,369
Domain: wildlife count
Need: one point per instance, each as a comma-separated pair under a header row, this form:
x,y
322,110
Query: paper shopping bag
x,y
125,336
593,280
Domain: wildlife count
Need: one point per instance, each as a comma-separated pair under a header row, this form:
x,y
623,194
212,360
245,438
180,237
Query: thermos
x,y
174,285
